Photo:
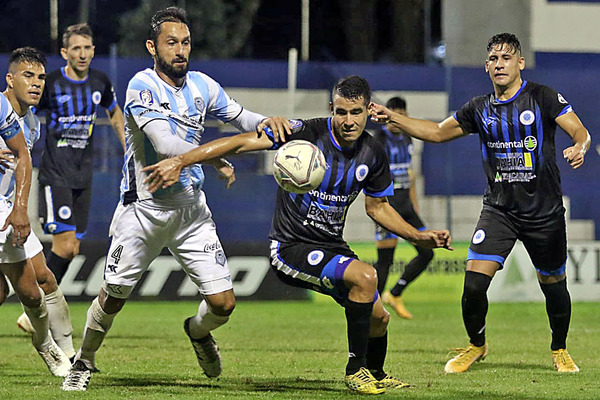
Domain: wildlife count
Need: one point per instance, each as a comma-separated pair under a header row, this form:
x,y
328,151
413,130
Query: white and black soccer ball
x,y
299,166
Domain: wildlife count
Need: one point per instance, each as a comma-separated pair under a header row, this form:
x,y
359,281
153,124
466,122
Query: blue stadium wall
x,y
243,213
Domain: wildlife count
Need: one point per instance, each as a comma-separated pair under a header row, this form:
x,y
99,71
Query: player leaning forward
x,y
523,200
307,247
19,129
165,110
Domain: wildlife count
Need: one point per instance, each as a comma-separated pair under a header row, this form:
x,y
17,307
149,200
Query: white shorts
x,y
8,253
140,230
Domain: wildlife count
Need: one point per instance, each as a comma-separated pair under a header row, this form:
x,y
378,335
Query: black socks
x,y
358,318
475,305
58,266
558,307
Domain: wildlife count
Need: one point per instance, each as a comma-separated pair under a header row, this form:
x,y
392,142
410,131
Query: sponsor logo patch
x,y
479,236
64,98
530,143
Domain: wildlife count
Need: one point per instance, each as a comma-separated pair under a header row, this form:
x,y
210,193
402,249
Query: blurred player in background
x,y
25,84
523,200
19,129
307,247
165,111
399,149
72,98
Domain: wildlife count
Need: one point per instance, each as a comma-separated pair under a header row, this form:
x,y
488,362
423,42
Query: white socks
x,y
39,320
59,319
97,326
205,321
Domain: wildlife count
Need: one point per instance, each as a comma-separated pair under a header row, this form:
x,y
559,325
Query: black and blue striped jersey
x,y
399,149
518,150
72,108
318,217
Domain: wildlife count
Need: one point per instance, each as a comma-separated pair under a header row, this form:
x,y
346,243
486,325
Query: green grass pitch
x,y
297,350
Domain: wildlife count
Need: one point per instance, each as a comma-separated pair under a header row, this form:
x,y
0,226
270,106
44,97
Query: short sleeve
x,y
9,122
379,179
466,117
554,104
109,97
142,102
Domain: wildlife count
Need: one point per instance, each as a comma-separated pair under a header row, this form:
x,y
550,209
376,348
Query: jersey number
x,y
116,254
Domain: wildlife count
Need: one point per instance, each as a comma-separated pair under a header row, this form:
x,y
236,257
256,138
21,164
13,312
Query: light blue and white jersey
x,y
10,125
185,109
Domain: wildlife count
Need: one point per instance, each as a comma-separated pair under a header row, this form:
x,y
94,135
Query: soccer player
x,y
165,112
25,80
307,247
399,149
523,200
72,98
25,85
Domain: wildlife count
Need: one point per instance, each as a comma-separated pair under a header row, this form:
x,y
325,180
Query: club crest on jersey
x,y
315,257
199,103
479,236
295,124
561,99
530,143
361,172
527,117
64,212
146,97
220,257
96,97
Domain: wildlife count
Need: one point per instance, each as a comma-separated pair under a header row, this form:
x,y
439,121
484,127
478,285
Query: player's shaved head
x,y
26,54
77,29
352,87
169,14
509,40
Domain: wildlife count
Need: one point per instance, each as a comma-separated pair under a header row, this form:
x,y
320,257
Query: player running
x,y
307,247
25,81
165,111
399,149
523,200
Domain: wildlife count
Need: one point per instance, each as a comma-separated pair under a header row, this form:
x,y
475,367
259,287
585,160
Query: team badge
x,y
64,212
527,117
530,143
296,125
96,97
561,99
361,172
220,257
199,103
315,257
479,236
146,97
64,98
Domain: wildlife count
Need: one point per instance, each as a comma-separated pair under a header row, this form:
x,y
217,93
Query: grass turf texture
x,y
298,350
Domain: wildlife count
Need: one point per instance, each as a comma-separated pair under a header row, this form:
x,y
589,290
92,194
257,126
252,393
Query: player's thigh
x,y
495,236
313,267
137,236
81,210
547,245
56,209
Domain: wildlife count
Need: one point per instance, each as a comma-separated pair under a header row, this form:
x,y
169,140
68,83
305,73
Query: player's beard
x,y
169,69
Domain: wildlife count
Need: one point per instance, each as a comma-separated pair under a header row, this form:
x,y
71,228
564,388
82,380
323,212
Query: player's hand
x,y
19,221
226,173
163,174
279,125
6,158
574,155
379,113
433,238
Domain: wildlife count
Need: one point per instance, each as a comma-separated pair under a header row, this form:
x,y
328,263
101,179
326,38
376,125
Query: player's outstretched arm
x,y
380,210
18,217
571,124
166,172
428,131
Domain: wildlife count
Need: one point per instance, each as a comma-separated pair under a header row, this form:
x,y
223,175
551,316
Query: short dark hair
x,y
82,29
169,14
352,87
27,54
397,103
508,39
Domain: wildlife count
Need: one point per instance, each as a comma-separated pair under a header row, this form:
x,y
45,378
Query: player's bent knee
x,y
222,304
30,298
361,275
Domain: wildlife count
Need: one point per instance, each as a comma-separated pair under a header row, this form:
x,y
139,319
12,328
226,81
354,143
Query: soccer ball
x,y
299,166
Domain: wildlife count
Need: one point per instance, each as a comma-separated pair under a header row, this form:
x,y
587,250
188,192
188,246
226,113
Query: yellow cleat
x,y
465,358
363,382
563,361
390,382
397,305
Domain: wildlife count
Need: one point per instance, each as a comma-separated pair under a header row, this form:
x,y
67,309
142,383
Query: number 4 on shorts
x,y
116,254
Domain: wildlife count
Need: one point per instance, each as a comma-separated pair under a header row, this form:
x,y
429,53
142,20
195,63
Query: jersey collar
x,y
64,74
497,101
335,142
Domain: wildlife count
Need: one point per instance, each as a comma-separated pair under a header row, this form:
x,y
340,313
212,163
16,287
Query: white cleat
x,y
207,352
78,378
24,324
57,361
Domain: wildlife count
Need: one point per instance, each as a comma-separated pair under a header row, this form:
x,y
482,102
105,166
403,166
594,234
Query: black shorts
x,y
63,209
313,267
545,241
400,201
